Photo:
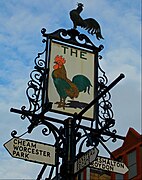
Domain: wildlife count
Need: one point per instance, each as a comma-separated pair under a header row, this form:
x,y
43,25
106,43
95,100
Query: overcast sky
x,y
20,40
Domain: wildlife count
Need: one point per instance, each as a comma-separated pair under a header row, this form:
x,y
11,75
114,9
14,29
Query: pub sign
x,y
71,78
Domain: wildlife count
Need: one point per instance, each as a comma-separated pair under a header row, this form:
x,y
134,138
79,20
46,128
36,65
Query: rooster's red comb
x,y
60,58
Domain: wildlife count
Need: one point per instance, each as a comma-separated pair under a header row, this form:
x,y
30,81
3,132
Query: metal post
x,y
67,168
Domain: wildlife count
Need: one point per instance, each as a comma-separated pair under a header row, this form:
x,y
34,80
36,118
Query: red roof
x,y
133,139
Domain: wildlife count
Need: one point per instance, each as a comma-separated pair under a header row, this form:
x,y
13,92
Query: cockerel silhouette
x,y
66,87
89,24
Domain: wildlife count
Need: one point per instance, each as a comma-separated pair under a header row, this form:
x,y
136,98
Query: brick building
x,y
93,174
131,154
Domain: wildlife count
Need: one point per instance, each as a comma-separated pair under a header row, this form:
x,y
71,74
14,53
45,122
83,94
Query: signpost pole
x,y
67,168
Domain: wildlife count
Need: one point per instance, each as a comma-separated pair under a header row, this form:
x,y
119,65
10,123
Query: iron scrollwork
x,y
72,36
84,136
105,113
35,85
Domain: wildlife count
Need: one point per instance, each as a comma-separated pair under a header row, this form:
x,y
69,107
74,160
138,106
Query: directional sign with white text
x,y
107,164
31,151
86,159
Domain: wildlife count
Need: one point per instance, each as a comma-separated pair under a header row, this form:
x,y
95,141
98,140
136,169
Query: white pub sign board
x,y
71,79
31,151
107,164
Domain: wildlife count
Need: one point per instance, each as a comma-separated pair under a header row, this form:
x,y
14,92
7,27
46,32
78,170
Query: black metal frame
x,y
71,133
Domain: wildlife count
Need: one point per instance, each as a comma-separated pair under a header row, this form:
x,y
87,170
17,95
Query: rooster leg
x,y
61,103
64,103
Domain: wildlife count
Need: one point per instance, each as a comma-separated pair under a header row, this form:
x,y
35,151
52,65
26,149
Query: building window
x,y
119,177
141,153
132,165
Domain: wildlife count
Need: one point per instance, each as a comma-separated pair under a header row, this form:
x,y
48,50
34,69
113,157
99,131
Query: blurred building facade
x,y
129,153
93,174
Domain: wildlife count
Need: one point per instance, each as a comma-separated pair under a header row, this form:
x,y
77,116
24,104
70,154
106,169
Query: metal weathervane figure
x,y
89,24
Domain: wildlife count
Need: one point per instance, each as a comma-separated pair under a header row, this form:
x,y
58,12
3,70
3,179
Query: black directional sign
x,y
86,159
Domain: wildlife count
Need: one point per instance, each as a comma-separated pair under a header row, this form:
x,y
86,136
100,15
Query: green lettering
x,y
73,52
64,49
82,55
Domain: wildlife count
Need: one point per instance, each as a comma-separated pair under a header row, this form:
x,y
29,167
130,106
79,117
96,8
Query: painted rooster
x,y
66,87
89,24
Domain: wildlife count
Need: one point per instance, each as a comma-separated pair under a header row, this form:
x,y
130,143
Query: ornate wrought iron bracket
x,y
69,133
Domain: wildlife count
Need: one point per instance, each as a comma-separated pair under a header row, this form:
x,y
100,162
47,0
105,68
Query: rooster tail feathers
x,y
82,82
99,35
95,31
93,27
